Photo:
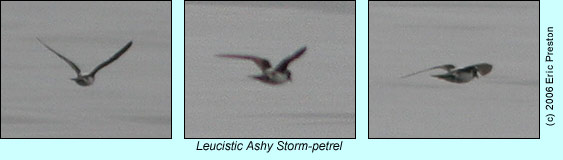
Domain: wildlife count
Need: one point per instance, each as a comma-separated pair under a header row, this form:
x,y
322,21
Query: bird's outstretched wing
x,y
282,66
482,68
74,67
447,67
112,58
260,62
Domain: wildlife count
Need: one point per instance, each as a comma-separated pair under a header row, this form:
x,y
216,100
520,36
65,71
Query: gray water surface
x,y
223,102
405,37
131,98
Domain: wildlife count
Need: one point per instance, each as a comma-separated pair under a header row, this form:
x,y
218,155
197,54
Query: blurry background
x,y
221,101
405,37
130,98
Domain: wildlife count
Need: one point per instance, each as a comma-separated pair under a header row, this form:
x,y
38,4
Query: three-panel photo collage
x,y
270,70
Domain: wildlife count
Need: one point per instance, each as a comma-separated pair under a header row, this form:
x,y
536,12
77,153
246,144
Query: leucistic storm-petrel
x,y
86,79
462,75
270,75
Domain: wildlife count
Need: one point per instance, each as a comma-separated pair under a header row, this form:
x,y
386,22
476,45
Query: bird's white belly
x,y
465,77
277,76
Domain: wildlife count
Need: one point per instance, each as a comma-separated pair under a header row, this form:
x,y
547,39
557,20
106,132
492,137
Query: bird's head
x,y
474,72
288,75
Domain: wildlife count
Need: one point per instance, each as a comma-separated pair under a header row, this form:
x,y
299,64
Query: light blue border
x,y
550,13
177,69
360,148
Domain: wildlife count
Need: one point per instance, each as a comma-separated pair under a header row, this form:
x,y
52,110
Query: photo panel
x,y
86,70
453,69
269,69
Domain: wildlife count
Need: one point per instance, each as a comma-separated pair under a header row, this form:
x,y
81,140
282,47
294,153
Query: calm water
x,y
131,98
409,36
222,101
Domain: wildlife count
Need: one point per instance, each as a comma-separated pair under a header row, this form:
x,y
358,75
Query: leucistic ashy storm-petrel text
x,y
86,79
270,75
462,75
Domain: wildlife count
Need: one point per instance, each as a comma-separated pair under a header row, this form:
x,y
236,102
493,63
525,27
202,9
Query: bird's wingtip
x,y
302,49
227,56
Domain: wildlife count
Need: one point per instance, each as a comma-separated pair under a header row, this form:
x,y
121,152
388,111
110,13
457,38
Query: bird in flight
x,y
86,79
462,75
270,75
